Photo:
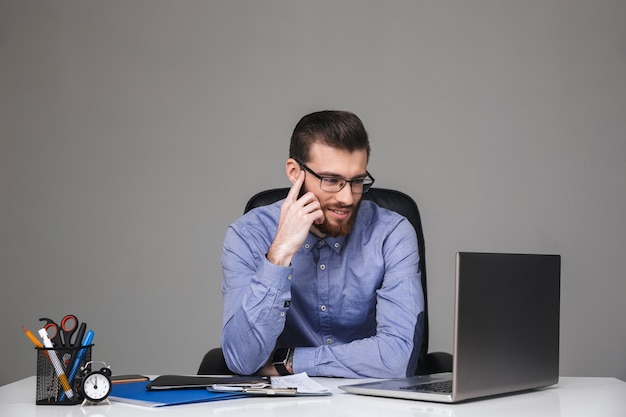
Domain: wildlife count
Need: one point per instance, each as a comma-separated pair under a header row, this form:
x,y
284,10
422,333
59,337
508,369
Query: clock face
x,y
96,386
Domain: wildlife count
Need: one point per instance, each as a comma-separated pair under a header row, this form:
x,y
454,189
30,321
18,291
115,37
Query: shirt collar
x,y
312,241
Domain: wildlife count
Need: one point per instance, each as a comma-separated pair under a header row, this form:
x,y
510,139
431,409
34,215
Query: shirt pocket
x,y
358,317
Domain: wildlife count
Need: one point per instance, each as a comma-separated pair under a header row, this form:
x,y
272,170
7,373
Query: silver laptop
x,y
506,331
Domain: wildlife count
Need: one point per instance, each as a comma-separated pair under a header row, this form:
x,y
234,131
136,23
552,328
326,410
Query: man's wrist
x,y
276,258
283,360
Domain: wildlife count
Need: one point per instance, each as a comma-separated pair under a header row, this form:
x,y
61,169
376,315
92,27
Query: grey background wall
x,y
133,132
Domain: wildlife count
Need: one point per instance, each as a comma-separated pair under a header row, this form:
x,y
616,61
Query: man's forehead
x,y
330,159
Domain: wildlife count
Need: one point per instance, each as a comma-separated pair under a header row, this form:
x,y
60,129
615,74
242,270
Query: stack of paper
x,y
303,384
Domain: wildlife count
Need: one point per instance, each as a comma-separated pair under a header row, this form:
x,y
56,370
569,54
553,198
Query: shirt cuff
x,y
275,276
304,360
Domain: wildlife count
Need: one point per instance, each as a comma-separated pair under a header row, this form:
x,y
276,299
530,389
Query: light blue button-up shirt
x,y
349,305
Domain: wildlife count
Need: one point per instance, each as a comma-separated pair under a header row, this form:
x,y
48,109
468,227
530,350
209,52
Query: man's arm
x,y
399,303
255,295
256,280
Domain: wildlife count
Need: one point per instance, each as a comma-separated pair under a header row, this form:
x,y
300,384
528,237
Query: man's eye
x,y
358,181
332,181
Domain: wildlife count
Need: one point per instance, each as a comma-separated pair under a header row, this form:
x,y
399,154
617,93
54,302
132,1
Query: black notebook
x,y
201,381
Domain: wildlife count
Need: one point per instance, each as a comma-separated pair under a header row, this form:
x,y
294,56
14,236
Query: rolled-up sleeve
x,y
256,294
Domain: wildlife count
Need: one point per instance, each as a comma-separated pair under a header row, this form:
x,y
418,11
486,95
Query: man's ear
x,y
292,168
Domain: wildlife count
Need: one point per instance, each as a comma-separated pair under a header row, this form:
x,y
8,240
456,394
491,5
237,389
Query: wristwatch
x,y
280,359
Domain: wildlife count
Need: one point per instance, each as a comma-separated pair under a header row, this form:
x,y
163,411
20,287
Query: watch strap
x,y
281,358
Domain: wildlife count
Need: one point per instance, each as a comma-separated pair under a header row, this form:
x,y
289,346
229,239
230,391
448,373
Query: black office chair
x,y
213,362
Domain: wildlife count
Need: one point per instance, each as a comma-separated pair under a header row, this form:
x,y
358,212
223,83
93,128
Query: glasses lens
x,y
362,186
332,185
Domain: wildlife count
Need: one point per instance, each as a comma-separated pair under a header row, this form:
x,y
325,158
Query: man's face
x,y
339,208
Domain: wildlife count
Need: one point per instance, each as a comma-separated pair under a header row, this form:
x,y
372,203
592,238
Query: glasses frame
x,y
345,181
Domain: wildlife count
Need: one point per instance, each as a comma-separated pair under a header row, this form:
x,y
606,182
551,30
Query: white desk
x,y
572,397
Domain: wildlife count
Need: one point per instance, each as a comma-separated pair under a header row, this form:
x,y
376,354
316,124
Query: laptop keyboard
x,y
444,387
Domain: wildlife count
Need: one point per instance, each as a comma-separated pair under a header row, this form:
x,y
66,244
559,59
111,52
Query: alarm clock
x,y
95,386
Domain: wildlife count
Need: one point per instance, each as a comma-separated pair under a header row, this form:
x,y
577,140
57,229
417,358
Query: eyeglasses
x,y
336,184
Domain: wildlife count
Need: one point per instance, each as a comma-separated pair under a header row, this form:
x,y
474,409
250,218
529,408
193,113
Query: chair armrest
x,y
437,362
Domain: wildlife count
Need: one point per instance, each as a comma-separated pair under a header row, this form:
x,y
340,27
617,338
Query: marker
x,y
79,358
54,358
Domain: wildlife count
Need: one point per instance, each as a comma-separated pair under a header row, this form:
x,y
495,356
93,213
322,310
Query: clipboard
x,y
256,389
288,385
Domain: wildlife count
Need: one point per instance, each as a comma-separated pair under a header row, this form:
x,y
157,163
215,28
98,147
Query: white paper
x,y
301,381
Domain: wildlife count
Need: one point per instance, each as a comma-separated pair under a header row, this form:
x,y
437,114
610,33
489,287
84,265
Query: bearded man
x,y
323,282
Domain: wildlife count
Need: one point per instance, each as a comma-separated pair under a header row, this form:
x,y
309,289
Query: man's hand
x,y
268,369
296,218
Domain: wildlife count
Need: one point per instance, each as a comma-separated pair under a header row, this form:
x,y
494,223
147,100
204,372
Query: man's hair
x,y
338,129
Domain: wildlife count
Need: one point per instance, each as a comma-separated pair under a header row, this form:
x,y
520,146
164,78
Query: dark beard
x,y
332,230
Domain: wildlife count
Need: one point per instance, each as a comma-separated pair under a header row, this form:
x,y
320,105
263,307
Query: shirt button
x,y
323,308
322,243
322,267
306,245
336,244
282,314
289,277
329,341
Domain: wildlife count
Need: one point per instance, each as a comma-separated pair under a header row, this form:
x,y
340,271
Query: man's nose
x,y
345,196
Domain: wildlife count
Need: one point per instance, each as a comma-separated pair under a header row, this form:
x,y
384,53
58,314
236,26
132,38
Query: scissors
x,y
61,335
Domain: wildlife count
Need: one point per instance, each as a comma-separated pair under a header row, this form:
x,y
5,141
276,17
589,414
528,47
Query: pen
x,y
54,358
79,358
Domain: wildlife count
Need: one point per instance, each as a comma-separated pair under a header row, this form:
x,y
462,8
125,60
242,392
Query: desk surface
x,y
571,397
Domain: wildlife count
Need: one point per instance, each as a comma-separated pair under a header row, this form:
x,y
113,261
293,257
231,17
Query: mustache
x,y
340,206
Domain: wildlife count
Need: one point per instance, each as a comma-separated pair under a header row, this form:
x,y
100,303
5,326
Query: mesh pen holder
x,y
52,389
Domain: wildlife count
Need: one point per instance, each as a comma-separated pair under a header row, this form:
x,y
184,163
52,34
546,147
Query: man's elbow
x,y
394,369
239,364
399,363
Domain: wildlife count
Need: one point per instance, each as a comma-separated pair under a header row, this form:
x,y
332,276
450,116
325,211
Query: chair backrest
x,y
392,200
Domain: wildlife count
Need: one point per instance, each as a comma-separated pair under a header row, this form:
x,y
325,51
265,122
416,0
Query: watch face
x,y
96,386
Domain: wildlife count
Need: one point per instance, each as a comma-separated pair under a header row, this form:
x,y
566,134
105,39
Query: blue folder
x,y
137,393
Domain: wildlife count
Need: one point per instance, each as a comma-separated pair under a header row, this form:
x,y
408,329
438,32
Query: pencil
x,y
32,337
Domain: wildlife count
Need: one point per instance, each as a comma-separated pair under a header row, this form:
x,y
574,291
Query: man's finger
x,y
295,188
